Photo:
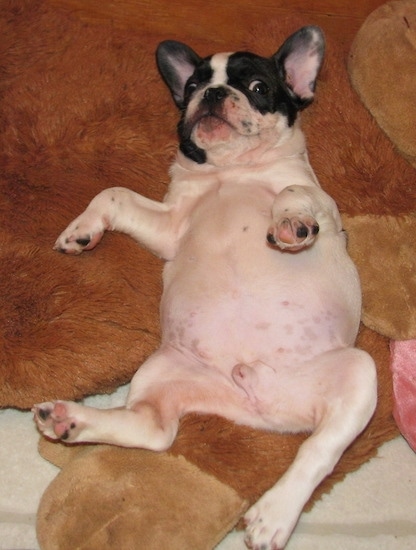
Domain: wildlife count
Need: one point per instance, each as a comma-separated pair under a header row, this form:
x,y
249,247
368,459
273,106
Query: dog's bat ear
x,y
176,63
299,60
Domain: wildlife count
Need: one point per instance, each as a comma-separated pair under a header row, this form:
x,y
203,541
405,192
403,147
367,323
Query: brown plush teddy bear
x,y
77,326
382,66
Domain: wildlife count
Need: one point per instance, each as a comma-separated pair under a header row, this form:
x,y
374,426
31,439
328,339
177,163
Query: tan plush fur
x,y
386,45
82,109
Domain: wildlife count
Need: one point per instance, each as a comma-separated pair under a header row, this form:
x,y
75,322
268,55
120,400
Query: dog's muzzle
x,y
215,95
211,109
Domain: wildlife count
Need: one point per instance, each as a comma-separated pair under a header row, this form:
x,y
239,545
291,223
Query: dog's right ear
x,y
176,63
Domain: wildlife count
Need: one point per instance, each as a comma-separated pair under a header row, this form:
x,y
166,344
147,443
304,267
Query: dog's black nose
x,y
215,94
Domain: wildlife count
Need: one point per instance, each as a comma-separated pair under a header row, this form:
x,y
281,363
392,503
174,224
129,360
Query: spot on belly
x,y
329,315
262,326
288,329
309,334
303,350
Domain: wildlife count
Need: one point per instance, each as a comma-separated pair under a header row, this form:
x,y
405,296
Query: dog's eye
x,y
258,87
191,87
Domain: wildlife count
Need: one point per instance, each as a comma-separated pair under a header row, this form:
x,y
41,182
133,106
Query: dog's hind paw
x,y
54,421
265,530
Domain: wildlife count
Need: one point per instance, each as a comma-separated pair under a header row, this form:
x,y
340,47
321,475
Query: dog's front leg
x,y
299,213
151,223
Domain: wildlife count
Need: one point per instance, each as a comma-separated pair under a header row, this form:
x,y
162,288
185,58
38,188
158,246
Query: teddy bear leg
x,y
112,498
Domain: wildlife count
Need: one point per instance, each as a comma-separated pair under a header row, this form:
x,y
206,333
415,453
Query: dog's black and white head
x,y
233,102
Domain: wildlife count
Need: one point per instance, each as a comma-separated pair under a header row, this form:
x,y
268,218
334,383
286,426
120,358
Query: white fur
x,y
263,335
219,66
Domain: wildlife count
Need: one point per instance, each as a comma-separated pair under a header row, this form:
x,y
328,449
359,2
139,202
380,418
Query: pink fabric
x,y
403,366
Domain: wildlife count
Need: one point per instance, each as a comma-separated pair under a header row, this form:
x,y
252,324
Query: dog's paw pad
x,y
76,240
293,233
83,242
271,520
263,534
54,421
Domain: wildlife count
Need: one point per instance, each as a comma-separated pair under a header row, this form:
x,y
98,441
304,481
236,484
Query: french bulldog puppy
x,y
261,302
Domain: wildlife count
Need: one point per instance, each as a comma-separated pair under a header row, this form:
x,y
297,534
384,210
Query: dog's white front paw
x,y
293,233
269,523
84,233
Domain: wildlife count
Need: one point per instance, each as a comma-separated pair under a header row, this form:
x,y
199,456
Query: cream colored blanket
x,y
372,509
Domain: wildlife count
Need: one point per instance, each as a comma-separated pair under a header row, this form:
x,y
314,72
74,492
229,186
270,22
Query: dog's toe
x,y
271,238
85,241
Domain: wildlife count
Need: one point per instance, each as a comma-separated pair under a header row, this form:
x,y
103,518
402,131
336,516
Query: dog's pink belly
x,y
278,326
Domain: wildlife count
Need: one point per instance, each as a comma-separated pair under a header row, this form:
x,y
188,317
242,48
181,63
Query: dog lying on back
x,y
261,302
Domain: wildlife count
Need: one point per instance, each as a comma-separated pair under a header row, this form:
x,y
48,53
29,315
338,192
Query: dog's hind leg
x,y
75,423
342,399
148,421
166,386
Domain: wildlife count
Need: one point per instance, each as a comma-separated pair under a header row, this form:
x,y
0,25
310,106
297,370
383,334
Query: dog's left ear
x,y
176,63
299,60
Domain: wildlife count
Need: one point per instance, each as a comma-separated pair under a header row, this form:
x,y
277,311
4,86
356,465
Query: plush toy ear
x,y
299,60
176,63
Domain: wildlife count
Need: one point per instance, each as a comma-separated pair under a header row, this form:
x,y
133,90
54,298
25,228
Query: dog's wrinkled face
x,y
233,103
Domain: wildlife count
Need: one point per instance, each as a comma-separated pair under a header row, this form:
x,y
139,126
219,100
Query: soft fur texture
x,y
80,112
386,44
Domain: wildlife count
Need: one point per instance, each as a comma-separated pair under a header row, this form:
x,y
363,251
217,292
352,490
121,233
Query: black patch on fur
x,y
200,78
244,68
190,149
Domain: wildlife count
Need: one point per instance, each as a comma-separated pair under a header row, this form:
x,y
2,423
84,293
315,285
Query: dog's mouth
x,y
211,122
209,127
208,117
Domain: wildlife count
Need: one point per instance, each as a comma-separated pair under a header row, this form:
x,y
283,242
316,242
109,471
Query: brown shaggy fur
x,y
82,108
